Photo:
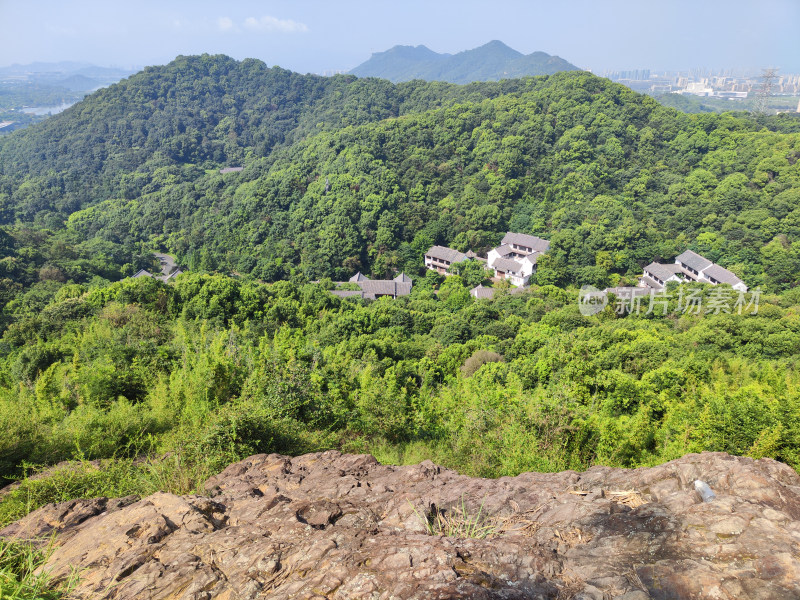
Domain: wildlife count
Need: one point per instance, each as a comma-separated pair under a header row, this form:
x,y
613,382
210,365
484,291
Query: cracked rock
x,y
342,527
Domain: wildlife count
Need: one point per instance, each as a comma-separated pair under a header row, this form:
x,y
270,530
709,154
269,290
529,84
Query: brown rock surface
x,y
339,526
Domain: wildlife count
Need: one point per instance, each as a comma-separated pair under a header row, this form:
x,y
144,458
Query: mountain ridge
x,y
139,160
490,62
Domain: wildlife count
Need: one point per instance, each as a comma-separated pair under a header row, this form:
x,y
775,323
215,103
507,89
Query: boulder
x,y
339,526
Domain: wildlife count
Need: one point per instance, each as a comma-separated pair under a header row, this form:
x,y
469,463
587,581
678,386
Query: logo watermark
x,y
682,300
591,300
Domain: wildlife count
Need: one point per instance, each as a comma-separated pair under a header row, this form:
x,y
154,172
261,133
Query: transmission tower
x,y
765,90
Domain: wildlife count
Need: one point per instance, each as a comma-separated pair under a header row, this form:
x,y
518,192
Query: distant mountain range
x,y
29,93
490,62
73,76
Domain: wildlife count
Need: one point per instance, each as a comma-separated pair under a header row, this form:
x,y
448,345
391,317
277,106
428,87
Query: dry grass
x,y
630,498
520,522
571,585
571,537
458,522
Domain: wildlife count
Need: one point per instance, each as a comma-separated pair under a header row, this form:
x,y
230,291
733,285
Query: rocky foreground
x,y
339,526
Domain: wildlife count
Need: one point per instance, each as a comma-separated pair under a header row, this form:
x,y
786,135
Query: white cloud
x,y
268,23
225,24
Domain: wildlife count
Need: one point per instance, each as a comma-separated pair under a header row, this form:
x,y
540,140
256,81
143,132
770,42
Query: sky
x,y
324,36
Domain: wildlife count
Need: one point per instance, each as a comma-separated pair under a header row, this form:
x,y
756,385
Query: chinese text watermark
x,y
683,299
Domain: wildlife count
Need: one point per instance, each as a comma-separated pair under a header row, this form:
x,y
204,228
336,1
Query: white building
x,y
516,257
440,258
689,266
657,275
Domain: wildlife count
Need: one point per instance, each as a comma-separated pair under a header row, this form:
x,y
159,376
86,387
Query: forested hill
x,y
490,62
213,108
345,174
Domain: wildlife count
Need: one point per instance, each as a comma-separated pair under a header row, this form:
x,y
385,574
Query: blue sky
x,y
316,36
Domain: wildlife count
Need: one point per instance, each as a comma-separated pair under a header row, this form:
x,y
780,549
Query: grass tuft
x,y
22,578
457,522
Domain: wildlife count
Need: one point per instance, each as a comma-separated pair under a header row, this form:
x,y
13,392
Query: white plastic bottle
x,y
704,490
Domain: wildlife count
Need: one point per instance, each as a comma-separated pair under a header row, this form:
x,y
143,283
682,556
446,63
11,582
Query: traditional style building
x,y
525,244
516,257
440,258
371,289
689,266
482,293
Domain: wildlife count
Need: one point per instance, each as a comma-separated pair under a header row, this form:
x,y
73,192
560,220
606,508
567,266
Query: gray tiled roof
x,y
143,273
533,257
651,284
371,288
504,250
482,293
230,170
504,264
382,287
693,260
444,253
659,270
673,268
722,275
377,287
529,241
403,288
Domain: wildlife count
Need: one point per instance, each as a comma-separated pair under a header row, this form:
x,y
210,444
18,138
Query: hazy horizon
x,y
319,36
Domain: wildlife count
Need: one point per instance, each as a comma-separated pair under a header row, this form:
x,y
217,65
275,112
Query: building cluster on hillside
x,y
514,259
371,289
690,267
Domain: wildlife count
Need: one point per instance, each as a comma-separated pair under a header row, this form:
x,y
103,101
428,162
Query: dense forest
x,y
612,178
249,352
213,368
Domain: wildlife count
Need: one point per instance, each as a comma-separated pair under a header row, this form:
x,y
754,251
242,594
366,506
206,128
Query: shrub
x,y
477,360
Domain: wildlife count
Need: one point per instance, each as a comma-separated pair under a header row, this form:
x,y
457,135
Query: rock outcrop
x,y
339,526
